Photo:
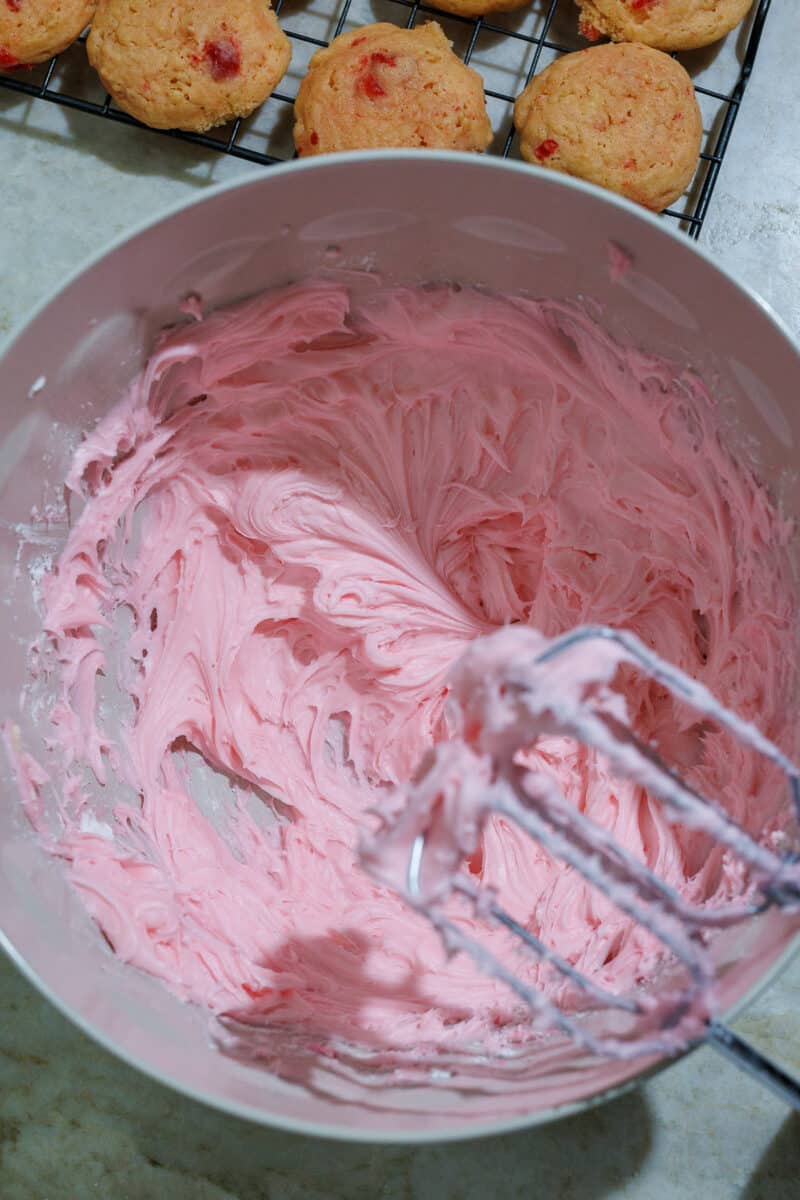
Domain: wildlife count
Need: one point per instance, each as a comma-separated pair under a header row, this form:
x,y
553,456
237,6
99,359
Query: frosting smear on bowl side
x,y
302,513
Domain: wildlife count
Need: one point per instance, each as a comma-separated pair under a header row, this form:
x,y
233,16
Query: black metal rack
x,y
551,31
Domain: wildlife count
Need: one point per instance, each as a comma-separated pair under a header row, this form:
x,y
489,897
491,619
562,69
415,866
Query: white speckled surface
x,y
76,1123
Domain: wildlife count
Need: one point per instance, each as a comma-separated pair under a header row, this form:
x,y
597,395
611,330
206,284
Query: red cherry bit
x,y
546,149
371,87
368,81
223,57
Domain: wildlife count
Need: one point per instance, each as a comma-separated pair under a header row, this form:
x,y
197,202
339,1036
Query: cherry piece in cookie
x,y
546,149
371,87
369,82
223,57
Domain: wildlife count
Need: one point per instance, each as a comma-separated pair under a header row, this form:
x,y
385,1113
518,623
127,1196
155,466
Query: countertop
x,y
75,1122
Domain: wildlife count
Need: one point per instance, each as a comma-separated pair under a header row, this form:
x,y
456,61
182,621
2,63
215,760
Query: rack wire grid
x,y
508,50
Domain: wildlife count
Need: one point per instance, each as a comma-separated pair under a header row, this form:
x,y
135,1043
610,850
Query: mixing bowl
x,y
414,217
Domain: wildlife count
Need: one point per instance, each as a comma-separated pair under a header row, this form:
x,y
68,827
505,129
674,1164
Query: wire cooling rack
x,y
507,50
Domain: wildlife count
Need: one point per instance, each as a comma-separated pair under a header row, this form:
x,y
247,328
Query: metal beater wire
x,y
535,803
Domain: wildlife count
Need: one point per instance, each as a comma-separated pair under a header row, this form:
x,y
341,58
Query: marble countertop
x,y
75,1122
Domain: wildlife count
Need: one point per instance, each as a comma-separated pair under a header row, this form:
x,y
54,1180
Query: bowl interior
x,y
413,218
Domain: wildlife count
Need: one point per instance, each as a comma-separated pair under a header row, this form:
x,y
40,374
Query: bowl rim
x,y
393,1137
245,1111
441,157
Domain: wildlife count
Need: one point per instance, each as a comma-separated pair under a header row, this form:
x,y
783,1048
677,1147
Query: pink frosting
x,y
515,700
293,525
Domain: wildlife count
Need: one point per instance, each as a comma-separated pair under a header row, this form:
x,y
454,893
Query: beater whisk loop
x,y
645,1023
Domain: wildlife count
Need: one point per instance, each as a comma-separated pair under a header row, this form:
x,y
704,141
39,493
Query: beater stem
x,y
747,1058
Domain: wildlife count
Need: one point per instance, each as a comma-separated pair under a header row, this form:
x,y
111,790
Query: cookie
x,y
174,64
621,115
478,8
32,31
664,24
386,86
